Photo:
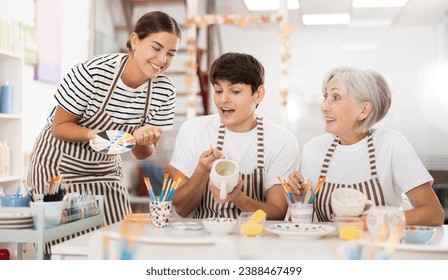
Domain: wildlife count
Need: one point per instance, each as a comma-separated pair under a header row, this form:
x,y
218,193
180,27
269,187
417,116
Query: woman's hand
x,y
92,133
148,135
296,181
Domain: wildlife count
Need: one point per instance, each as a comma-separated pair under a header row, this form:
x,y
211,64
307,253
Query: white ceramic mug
x,y
224,175
348,202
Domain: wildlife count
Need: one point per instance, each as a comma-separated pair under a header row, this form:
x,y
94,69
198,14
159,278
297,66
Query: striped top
x,y
85,87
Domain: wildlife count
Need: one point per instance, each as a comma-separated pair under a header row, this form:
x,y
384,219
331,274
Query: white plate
x,y
112,142
17,222
15,216
17,226
300,231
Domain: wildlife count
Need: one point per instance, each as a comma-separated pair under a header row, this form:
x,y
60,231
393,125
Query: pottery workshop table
x,y
268,247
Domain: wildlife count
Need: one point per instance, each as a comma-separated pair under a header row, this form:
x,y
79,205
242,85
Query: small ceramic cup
x,y
301,213
224,175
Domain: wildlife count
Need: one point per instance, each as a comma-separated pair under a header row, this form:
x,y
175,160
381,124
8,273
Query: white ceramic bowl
x,y
348,202
219,226
419,234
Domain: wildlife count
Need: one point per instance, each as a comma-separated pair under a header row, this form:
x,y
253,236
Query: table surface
x,y
269,246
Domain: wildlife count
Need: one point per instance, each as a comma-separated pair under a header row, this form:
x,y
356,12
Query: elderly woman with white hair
x,y
376,161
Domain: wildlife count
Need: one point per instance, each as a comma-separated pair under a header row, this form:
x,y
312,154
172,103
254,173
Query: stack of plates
x,y
16,221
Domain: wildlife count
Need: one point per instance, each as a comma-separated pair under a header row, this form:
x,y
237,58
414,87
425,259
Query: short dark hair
x,y
238,68
154,22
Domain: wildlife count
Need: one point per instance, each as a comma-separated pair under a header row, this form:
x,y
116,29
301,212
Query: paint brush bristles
x,y
176,183
316,190
181,177
173,188
286,189
168,189
165,179
309,191
151,193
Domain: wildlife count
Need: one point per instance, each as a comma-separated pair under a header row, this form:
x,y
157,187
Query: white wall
x,y
399,53
38,96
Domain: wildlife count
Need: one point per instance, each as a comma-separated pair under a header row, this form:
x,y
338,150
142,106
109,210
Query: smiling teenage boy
x,y
262,149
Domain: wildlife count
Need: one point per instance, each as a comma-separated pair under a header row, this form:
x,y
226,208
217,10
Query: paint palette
x,y
112,142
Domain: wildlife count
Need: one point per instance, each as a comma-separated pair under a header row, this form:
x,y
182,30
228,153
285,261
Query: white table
x,y
268,247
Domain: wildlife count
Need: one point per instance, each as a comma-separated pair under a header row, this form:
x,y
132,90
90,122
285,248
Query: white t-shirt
x,y
85,87
398,166
281,152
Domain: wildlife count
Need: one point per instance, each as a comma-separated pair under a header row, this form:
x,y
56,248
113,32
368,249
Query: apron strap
x,y
260,141
148,102
328,156
221,134
124,61
372,159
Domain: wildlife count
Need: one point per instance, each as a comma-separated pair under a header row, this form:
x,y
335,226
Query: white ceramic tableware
x,y
349,202
224,175
419,234
300,231
219,226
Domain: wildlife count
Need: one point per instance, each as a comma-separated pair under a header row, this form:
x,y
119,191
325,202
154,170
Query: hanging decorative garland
x,y
240,20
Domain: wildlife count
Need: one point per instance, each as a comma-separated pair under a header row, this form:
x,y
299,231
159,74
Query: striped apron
x,y
253,182
89,171
371,188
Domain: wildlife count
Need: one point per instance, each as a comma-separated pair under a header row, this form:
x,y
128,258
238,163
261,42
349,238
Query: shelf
x,y
10,116
11,125
7,54
40,235
10,179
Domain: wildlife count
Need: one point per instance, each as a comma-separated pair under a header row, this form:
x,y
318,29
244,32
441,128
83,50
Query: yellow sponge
x,y
257,217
